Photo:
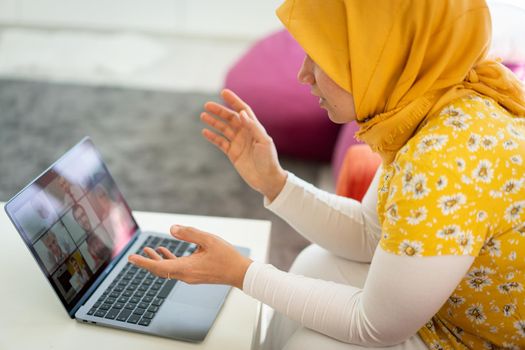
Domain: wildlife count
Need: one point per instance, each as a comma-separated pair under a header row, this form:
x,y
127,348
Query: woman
x,y
443,221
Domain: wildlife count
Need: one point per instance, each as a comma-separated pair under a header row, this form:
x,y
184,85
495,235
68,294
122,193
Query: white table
x,y
32,317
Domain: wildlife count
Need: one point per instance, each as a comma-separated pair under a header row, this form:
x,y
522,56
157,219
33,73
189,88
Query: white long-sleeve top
x,y
400,294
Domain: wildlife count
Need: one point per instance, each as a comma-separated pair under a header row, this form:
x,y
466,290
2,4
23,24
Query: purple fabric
x,y
345,139
518,68
266,78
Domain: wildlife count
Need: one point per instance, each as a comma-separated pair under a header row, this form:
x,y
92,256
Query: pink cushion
x,y
266,78
518,68
345,139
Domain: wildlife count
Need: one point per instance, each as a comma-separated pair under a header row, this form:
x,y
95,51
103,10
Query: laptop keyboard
x,y
135,295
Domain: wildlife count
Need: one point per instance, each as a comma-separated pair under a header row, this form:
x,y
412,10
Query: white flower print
x,y
481,271
509,145
450,204
514,132
510,346
460,163
509,309
442,182
436,345
516,159
473,142
483,171
392,192
455,301
419,187
456,123
507,288
452,111
465,241
512,256
513,212
520,326
430,326
488,142
391,213
520,229
512,186
408,177
432,142
493,247
488,345
458,332
410,248
478,283
495,194
416,216
448,232
481,216
475,313
465,179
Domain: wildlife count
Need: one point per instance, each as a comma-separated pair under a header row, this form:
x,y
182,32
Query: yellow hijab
x,y
402,60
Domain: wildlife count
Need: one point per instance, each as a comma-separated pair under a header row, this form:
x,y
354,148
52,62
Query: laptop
x,y
80,230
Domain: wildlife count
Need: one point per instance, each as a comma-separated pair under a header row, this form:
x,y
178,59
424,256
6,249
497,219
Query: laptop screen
x,y
74,220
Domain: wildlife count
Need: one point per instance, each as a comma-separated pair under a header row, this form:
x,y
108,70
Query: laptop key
x,y
105,306
145,321
153,308
130,306
144,305
123,316
133,318
139,311
157,302
112,313
148,315
100,313
165,291
92,311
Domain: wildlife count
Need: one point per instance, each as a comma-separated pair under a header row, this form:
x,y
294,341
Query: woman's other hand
x,y
244,140
215,261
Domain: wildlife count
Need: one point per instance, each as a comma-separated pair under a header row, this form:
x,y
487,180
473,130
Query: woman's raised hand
x,y
238,133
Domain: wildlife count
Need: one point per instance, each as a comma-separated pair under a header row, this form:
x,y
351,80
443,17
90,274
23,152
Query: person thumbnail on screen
x,y
36,216
54,246
78,269
96,249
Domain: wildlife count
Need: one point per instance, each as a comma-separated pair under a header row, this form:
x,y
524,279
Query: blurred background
x,y
133,74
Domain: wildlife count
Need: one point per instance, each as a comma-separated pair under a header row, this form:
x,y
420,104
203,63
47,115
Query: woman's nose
x,y
305,75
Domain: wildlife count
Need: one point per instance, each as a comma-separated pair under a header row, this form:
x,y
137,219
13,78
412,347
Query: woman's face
x,y
338,102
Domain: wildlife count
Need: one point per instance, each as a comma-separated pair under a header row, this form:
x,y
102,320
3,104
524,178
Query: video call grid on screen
x,y
74,219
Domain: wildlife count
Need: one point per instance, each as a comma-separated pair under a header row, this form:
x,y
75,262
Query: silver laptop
x,y
80,230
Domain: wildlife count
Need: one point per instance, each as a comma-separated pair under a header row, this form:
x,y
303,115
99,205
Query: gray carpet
x,y
149,139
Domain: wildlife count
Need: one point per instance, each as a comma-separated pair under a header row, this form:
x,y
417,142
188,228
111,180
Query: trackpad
x,y
203,295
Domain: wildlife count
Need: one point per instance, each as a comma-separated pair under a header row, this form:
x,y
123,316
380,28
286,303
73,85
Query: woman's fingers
x,y
156,267
219,141
223,112
152,253
167,254
233,100
192,235
218,125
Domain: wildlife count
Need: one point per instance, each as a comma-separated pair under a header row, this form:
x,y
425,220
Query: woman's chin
x,y
334,117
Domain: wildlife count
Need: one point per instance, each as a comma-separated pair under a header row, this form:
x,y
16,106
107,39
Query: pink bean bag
x,y
266,78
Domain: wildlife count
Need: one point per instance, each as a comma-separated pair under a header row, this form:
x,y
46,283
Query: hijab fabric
x,y
402,60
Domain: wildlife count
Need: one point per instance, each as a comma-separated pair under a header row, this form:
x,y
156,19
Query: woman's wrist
x,y
277,185
242,268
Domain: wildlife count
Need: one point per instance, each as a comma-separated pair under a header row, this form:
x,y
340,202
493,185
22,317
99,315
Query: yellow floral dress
x,y
458,188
